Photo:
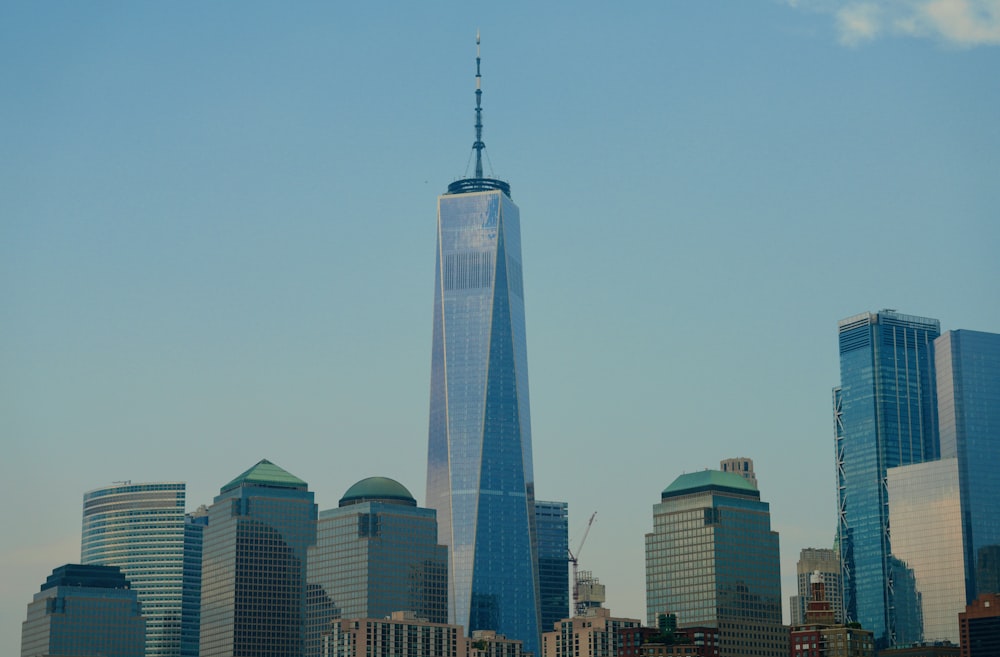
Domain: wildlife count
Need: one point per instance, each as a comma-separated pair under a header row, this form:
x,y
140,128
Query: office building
x,y
980,627
84,611
712,560
742,466
140,528
487,643
194,528
596,634
479,468
253,576
401,634
375,554
552,527
926,521
885,415
827,564
967,364
590,593
820,635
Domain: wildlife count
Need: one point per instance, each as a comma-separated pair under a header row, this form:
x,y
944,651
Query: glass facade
x,y
885,415
373,557
552,526
968,391
479,468
253,582
926,521
194,527
84,610
713,561
140,528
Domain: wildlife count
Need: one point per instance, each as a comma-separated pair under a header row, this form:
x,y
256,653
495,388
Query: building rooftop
x,y
695,482
378,489
89,576
266,474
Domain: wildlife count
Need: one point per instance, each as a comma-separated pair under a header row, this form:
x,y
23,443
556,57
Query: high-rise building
x,y
740,465
885,415
967,364
479,468
980,627
712,560
401,634
827,564
140,528
194,528
84,611
552,526
926,520
253,576
375,554
596,634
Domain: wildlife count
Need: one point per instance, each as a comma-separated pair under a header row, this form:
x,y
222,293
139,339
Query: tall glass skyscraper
x,y
926,520
253,582
713,561
885,415
552,525
968,391
141,529
377,553
479,469
84,610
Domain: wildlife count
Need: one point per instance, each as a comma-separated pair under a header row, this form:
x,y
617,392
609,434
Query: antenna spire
x,y
478,183
478,145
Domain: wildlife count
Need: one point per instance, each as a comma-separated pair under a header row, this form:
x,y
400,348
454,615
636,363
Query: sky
x,y
217,234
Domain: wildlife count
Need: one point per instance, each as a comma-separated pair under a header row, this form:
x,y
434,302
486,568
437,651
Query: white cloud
x,y
858,23
962,23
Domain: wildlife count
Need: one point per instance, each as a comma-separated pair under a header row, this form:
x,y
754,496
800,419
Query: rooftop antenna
x,y
478,146
478,183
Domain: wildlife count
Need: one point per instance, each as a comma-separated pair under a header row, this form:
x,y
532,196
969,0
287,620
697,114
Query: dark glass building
x,y
552,526
968,393
140,528
253,583
885,415
479,468
84,611
194,527
712,560
376,554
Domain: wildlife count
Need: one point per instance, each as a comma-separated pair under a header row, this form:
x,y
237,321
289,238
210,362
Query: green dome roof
x,y
694,482
378,489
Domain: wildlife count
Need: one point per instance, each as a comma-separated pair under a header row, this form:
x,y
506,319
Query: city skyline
x,y
200,248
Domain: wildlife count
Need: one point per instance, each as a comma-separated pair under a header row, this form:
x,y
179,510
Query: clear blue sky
x,y
217,240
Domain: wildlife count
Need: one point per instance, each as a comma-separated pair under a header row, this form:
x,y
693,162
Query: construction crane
x,y
574,558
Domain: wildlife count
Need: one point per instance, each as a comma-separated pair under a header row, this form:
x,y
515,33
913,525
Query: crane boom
x,y
574,558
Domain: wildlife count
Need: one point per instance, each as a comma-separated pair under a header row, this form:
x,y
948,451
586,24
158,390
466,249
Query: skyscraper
x,y
377,553
140,528
479,469
552,525
81,611
885,415
926,519
253,582
713,561
968,393
827,564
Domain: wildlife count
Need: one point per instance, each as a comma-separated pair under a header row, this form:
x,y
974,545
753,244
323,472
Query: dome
x,y
378,489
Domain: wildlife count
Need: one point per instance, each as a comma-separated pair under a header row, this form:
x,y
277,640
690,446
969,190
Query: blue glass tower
x,y
968,390
479,471
885,415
